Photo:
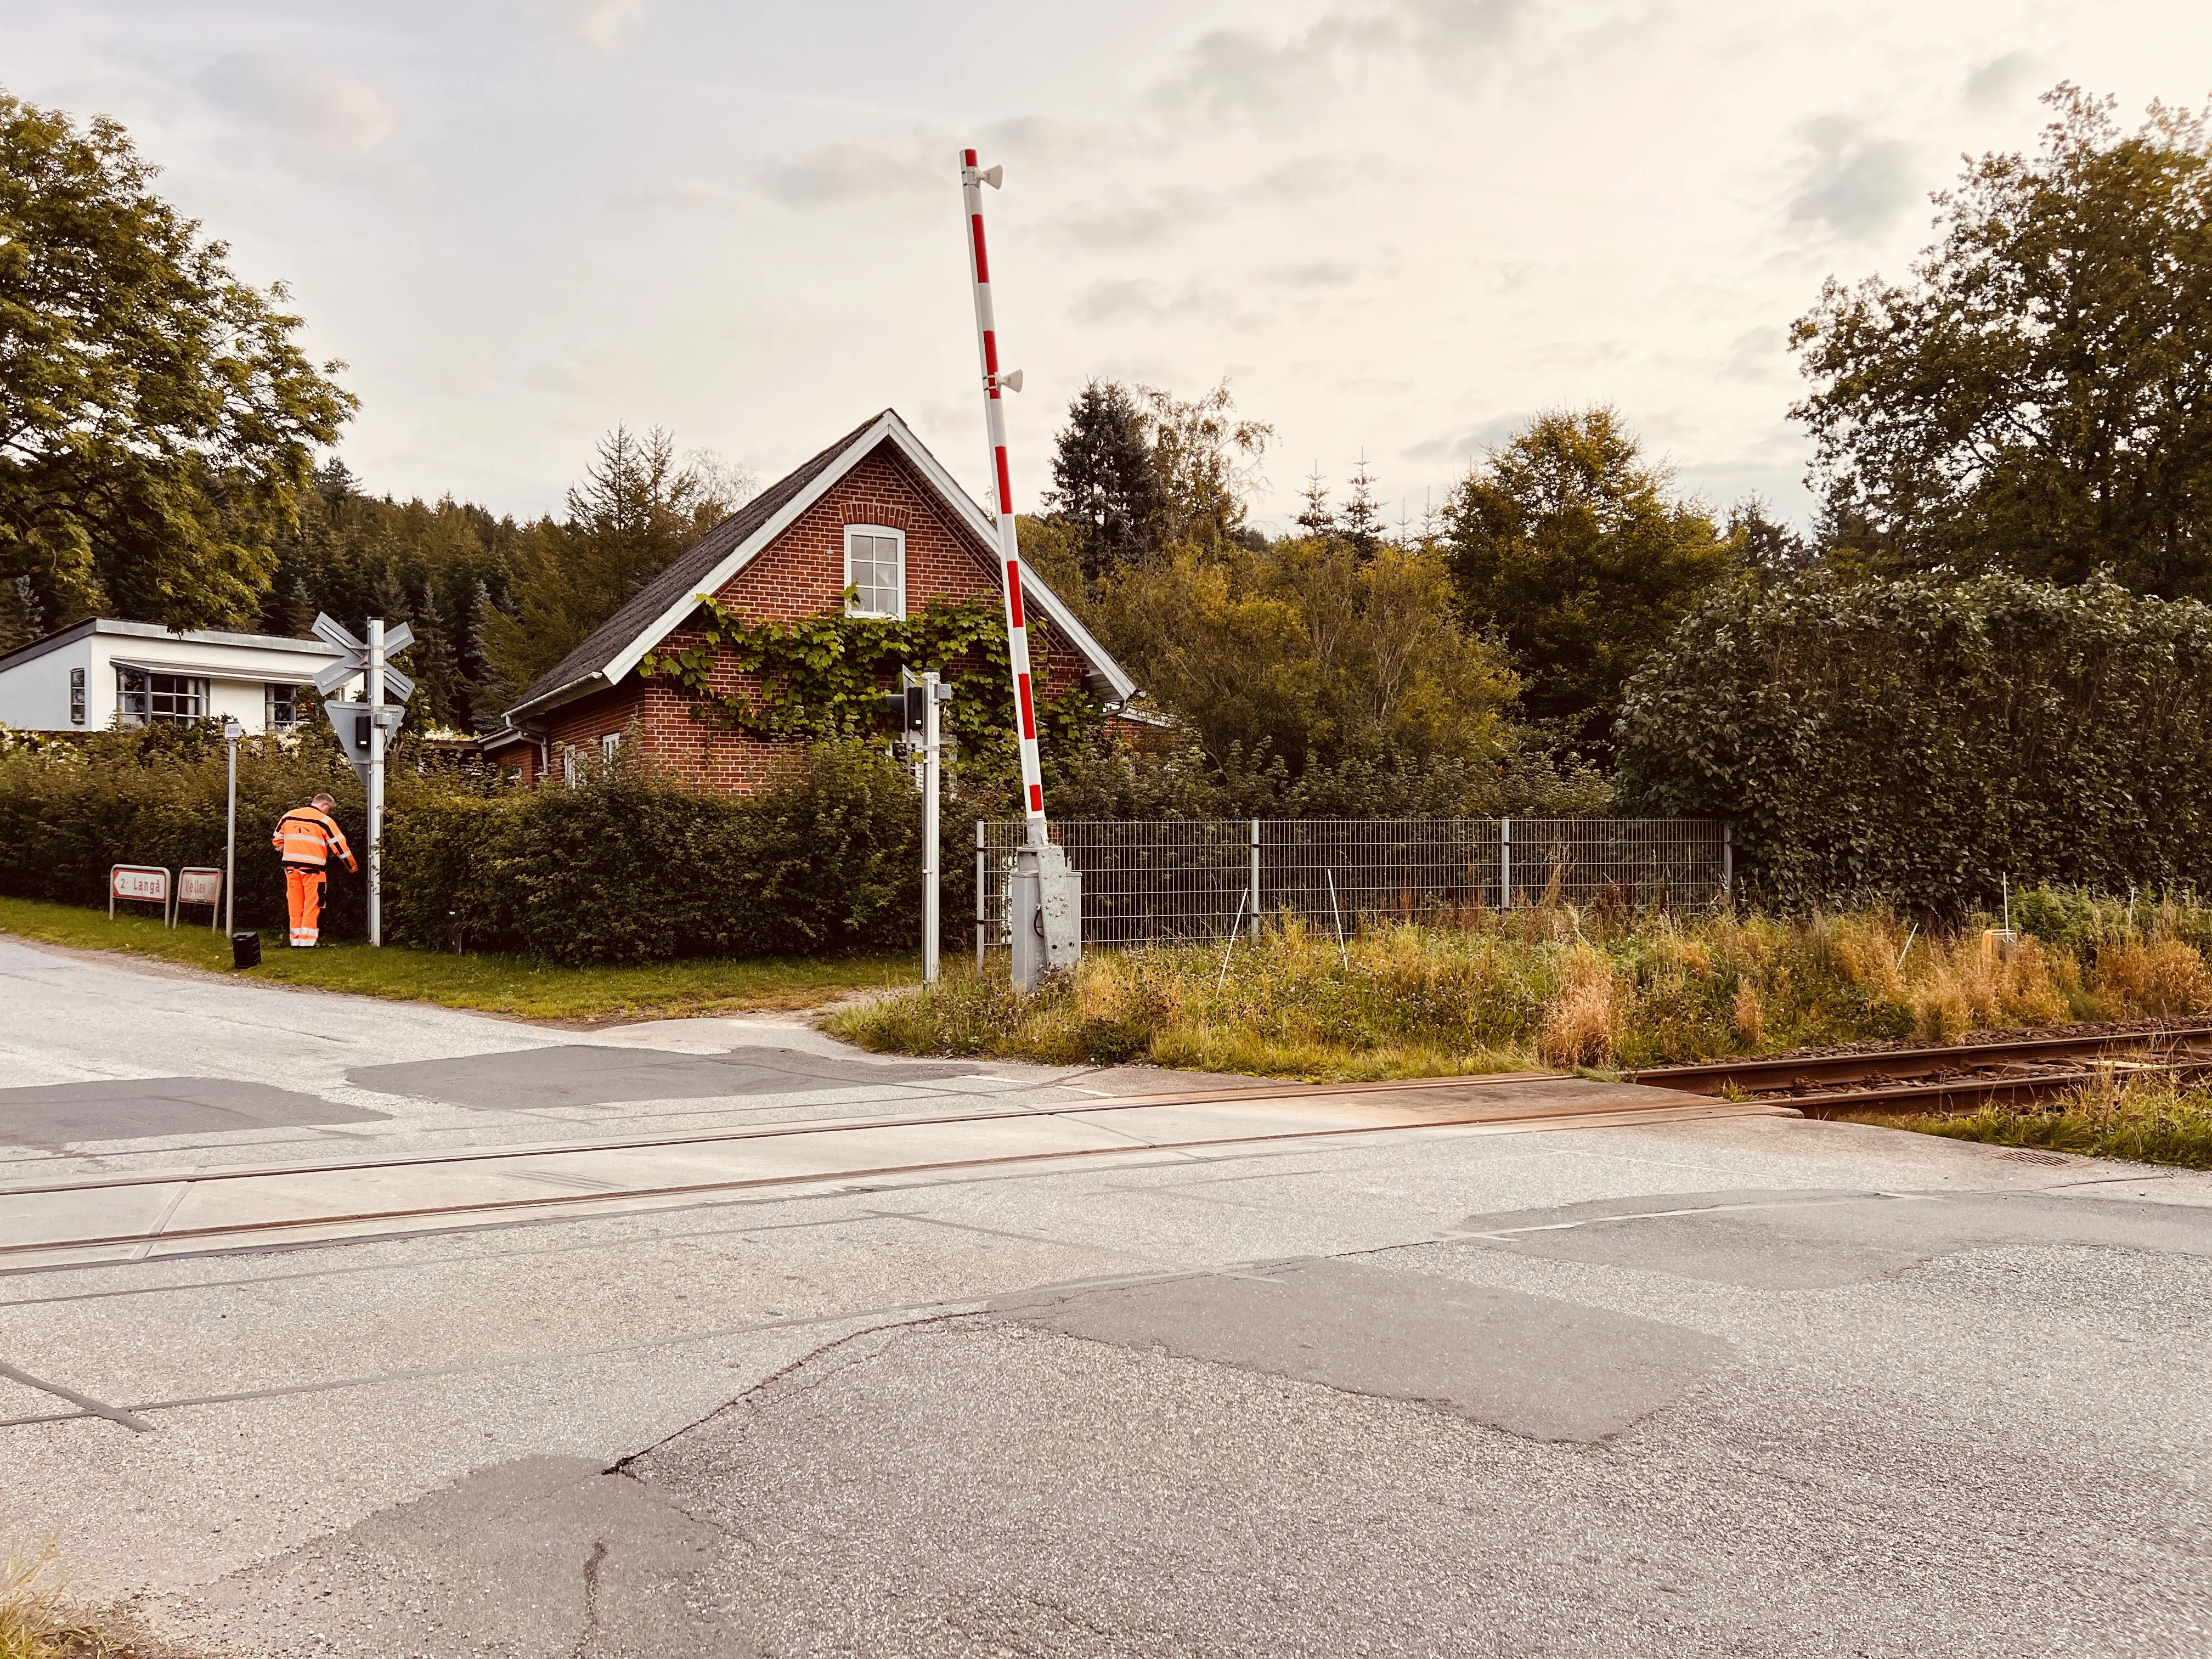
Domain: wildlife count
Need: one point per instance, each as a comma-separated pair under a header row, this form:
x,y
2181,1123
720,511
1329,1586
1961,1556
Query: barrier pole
x,y
1010,554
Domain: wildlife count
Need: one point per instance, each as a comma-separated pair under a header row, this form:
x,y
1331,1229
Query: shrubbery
x,y
628,867
1919,741
70,808
631,867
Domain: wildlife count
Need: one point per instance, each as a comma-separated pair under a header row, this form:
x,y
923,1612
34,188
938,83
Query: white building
x,y
103,673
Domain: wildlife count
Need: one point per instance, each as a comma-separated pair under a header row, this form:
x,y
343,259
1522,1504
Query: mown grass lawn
x,y
513,986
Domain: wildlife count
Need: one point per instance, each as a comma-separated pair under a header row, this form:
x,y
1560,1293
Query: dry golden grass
x,y
1549,984
34,1623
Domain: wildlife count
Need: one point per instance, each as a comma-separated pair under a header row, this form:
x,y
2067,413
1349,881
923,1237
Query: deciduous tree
x,y
2038,397
157,418
1566,543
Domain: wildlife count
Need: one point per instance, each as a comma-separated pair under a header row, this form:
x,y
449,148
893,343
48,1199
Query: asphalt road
x,y
1743,1386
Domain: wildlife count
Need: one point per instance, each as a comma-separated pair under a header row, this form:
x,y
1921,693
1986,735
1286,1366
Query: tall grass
x,y
2140,1116
1551,984
34,1623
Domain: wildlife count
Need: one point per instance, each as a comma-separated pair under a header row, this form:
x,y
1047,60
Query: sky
x,y
1398,228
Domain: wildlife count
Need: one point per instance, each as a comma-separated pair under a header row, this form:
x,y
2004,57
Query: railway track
x,y
408,1191
1960,1077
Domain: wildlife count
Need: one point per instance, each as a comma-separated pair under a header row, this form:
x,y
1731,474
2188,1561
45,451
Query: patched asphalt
x,y
1746,1386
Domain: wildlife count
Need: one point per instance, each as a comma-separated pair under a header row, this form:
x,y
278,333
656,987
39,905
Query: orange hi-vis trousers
x,y
303,893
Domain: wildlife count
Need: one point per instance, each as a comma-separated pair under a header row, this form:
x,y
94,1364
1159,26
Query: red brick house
x,y
875,513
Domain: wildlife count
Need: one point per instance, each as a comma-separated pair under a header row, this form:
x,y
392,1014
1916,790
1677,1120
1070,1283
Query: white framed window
x,y
77,696
284,707
875,570
568,771
609,746
175,699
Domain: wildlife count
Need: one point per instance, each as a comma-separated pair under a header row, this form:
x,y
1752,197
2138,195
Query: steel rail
x,y
1260,1092
1918,1079
1596,1115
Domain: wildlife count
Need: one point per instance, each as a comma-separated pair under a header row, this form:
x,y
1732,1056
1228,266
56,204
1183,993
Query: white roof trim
x,y
242,673
887,425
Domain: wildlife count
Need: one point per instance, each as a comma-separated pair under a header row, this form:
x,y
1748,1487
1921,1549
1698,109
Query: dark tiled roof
x,y
686,575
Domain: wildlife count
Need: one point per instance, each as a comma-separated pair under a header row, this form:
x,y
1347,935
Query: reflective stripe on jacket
x,y
305,835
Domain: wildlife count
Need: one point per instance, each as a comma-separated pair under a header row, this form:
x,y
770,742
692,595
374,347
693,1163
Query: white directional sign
x,y
355,663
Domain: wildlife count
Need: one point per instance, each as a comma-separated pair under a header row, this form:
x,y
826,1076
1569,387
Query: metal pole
x,y
1728,860
931,853
230,851
1505,864
980,915
1255,878
994,420
375,782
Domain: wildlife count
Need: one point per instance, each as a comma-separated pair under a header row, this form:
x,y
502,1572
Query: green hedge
x,y
628,866
1919,741
69,808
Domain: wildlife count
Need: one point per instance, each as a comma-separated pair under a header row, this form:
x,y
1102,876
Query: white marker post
x,y
932,688
232,731
375,700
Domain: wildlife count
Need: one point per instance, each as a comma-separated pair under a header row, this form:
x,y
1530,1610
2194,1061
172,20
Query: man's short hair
x,y
324,801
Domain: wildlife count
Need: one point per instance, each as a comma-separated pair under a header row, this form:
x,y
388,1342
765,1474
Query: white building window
x,y
609,746
284,707
176,699
875,570
568,775
77,696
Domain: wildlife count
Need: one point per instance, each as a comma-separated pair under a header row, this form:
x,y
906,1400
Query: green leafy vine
x,y
822,677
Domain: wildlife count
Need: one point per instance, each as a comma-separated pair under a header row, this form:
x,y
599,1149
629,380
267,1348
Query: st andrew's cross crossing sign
x,y
353,722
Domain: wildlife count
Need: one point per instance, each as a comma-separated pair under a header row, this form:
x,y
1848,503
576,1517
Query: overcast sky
x,y
1398,226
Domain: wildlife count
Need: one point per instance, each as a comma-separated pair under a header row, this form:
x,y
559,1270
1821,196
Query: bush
x,y
1916,741
70,810
631,866
627,867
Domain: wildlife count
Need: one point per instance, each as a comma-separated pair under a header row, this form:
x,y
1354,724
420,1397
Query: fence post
x,y
1255,878
1728,860
1505,864
979,898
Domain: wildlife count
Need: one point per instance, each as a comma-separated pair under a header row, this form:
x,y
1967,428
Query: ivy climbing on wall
x,y
822,677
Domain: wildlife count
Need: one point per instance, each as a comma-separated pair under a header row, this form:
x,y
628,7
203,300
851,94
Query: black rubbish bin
x,y
246,949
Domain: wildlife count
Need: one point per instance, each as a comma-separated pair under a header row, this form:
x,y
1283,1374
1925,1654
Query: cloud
x,y
1853,183
1169,212
1997,82
1122,299
1323,273
315,103
683,193
608,26
849,172
1459,449
1232,72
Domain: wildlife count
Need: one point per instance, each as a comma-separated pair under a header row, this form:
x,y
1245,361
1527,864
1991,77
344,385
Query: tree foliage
x,y
1138,472
637,508
2038,397
1566,544
157,418
1105,490
1920,740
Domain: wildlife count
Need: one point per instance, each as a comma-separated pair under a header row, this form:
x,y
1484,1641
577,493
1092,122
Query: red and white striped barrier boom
x,y
972,179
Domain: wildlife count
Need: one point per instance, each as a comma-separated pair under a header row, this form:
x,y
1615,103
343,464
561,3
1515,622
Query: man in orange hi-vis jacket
x,y
305,839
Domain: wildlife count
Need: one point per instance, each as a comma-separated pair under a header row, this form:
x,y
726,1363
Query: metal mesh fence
x,y
1155,883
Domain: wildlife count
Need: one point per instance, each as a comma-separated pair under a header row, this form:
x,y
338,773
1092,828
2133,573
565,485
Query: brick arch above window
x,y
889,515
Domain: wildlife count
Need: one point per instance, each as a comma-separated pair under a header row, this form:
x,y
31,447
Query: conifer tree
x,y
439,694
